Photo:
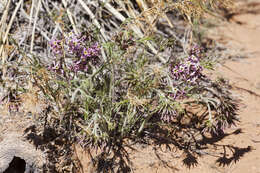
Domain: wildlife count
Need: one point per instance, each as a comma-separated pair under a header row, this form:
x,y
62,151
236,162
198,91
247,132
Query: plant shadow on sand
x,y
192,141
194,148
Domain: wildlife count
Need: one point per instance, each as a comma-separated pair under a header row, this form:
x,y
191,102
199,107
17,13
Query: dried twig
x,y
4,39
64,2
34,25
134,28
92,16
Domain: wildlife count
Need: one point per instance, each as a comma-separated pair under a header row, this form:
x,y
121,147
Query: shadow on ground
x,y
187,138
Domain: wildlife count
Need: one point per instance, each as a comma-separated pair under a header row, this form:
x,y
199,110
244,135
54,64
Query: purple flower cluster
x,y
92,51
56,46
80,65
75,45
56,67
188,71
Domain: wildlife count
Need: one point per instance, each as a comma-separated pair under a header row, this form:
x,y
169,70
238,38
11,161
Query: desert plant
x,y
128,94
105,90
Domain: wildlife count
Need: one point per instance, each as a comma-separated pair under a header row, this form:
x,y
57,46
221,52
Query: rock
x,y
13,145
